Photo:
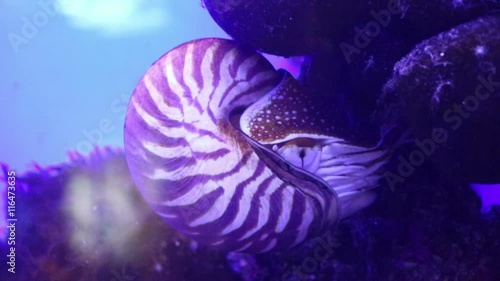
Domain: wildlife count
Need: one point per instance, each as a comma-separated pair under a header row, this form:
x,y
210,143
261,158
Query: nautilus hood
x,y
286,112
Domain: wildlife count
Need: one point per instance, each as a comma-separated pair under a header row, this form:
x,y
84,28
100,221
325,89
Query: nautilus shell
x,y
237,155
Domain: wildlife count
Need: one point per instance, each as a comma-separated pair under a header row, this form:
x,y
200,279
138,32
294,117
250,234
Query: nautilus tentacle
x,y
204,154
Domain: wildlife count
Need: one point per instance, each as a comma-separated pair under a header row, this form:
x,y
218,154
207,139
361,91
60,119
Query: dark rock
x,y
447,90
354,81
431,17
292,28
366,73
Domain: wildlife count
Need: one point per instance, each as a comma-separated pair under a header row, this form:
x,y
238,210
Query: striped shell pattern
x,y
231,152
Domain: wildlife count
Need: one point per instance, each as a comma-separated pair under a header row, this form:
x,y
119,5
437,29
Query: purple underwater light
x,y
489,193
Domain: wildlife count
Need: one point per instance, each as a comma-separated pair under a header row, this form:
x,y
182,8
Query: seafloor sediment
x,y
85,220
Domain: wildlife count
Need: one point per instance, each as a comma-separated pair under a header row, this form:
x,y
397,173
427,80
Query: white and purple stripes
x,y
199,172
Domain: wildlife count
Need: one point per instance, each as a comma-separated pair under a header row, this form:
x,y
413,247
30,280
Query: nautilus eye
x,y
234,154
302,156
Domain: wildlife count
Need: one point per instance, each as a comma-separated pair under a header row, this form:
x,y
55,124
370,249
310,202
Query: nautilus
x,y
237,155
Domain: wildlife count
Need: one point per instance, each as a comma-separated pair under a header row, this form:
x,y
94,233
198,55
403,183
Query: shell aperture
x,y
216,183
